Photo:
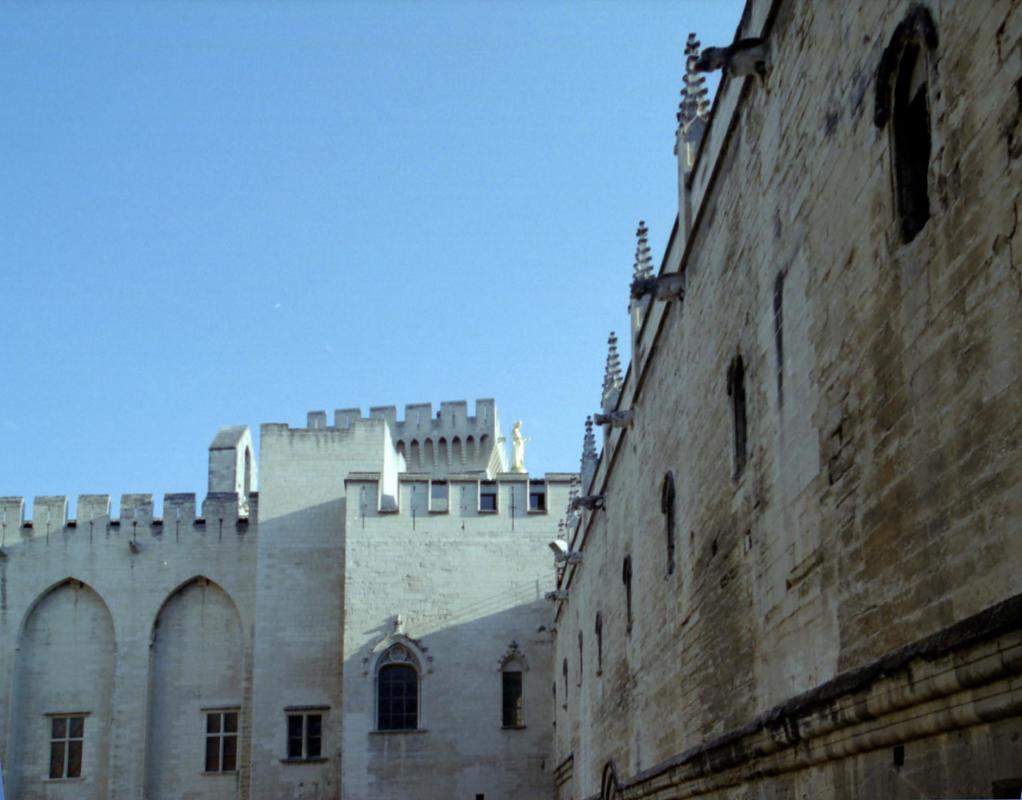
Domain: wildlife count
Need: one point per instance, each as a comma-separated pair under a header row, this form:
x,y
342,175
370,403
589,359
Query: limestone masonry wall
x,y
879,500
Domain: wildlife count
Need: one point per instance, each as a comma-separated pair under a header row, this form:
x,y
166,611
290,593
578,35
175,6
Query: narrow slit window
x,y
667,508
580,658
626,579
739,433
221,741
67,740
598,630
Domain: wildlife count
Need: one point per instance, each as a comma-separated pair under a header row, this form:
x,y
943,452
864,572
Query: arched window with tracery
x,y
397,690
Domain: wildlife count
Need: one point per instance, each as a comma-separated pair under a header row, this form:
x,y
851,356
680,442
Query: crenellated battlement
x,y
449,440
452,417
50,513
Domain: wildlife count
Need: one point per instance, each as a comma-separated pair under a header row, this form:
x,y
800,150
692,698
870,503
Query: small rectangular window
x,y
221,741
304,736
488,497
537,496
512,707
439,494
67,738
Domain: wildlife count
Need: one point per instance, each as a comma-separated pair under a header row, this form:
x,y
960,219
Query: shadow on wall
x,y
467,704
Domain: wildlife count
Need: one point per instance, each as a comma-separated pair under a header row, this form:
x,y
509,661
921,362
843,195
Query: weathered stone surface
x,y
881,499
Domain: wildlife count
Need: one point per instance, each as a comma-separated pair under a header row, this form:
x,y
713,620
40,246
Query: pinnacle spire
x,y
611,376
588,466
694,94
643,267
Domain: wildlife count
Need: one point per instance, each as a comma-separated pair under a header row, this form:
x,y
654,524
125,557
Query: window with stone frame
x,y
67,742
512,697
397,690
304,734
222,740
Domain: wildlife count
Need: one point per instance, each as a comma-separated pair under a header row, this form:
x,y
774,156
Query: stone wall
x,y
79,605
879,504
461,589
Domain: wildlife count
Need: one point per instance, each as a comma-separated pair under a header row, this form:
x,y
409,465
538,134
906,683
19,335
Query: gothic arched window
x,y
903,97
397,691
667,508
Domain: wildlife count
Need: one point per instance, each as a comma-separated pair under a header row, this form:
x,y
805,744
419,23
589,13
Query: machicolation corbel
x,y
742,57
615,419
665,287
591,502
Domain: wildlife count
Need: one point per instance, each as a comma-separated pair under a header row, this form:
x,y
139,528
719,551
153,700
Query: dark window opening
x,y
512,715
67,736
564,673
779,334
912,141
667,509
221,741
580,658
398,699
537,496
488,496
304,736
599,643
898,755
736,391
626,578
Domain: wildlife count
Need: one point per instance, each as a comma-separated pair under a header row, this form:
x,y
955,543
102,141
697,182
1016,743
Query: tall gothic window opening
x,y
397,687
912,142
667,508
903,97
512,712
736,391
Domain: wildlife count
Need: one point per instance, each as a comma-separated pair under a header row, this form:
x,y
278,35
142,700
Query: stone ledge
x,y
957,677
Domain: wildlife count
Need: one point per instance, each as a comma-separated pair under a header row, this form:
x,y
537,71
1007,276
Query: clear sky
x,y
227,213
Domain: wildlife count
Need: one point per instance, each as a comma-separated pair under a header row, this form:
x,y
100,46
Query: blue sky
x,y
226,213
